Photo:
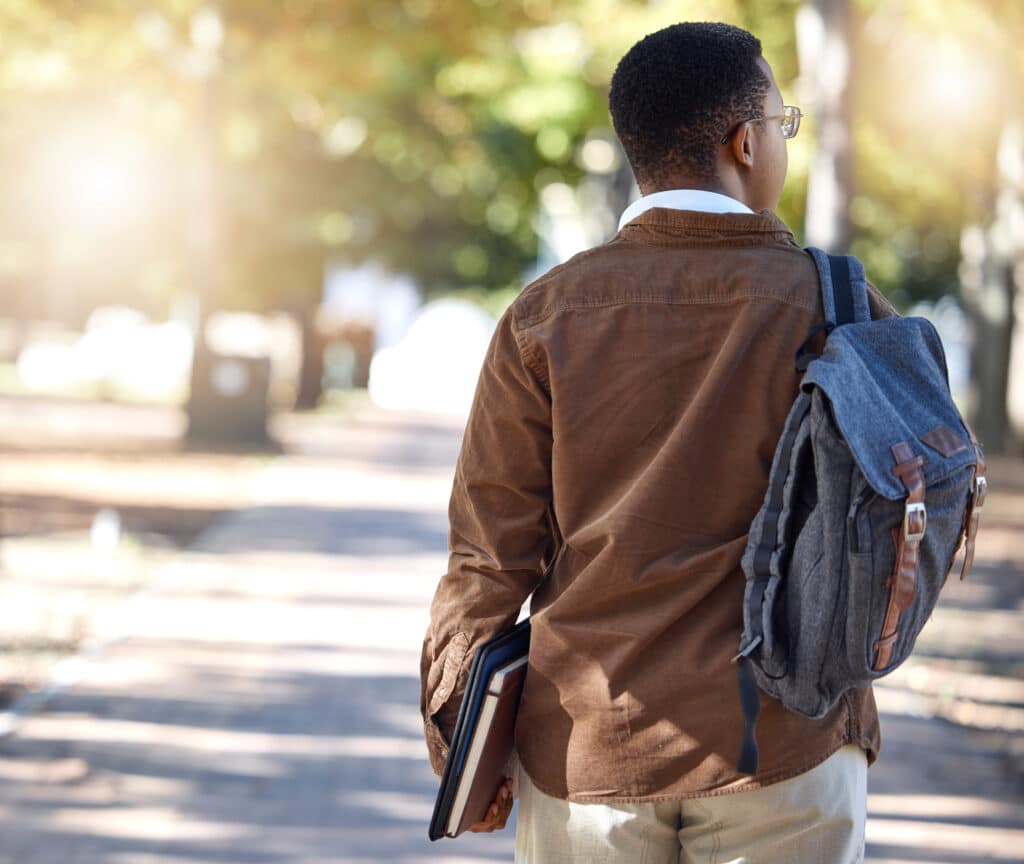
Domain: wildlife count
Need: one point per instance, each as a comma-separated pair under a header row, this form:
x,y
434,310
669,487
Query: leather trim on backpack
x,y
944,440
907,537
972,518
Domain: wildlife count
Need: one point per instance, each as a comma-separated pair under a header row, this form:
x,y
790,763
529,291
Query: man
x,y
617,450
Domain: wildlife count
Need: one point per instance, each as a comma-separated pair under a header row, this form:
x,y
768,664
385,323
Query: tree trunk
x,y
987,290
311,368
825,49
990,275
228,397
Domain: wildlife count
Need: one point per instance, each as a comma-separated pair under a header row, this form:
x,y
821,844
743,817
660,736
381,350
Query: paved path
x,y
259,702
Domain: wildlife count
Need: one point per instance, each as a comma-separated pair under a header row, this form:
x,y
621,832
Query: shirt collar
x,y
684,199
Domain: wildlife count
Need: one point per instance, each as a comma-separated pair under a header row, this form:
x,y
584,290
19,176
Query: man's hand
x,y
497,814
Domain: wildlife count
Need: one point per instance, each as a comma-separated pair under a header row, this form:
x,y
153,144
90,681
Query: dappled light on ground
x,y
257,701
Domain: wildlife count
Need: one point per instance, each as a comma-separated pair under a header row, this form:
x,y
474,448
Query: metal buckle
x,y
980,490
915,507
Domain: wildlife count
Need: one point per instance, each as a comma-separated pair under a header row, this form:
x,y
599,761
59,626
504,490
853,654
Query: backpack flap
x,y
886,382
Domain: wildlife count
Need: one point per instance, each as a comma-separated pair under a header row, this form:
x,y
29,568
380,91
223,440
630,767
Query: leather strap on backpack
x,y
907,537
972,518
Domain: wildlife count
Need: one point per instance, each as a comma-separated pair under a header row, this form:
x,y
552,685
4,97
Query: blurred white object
x,y
951,323
158,361
372,296
253,336
238,334
351,293
45,366
230,378
120,347
435,367
105,533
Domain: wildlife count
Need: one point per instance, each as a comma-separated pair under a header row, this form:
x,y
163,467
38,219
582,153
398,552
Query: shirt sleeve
x,y
499,527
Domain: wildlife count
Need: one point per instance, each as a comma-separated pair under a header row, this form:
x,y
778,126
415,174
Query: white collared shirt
x,y
684,199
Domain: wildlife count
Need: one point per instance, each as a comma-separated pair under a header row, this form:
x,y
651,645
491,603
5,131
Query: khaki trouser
x,y
814,818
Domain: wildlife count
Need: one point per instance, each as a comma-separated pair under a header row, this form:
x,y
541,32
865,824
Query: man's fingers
x,y
504,806
502,819
489,822
497,814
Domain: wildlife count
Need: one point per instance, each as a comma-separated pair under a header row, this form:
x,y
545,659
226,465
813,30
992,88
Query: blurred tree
x,y
936,88
407,132
420,134
825,46
415,132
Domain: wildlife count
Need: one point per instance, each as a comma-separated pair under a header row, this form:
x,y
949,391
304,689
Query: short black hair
x,y
679,90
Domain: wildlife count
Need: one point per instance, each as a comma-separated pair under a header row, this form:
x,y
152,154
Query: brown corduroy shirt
x,y
616,452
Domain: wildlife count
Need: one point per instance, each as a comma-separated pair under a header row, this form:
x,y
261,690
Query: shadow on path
x,y
326,531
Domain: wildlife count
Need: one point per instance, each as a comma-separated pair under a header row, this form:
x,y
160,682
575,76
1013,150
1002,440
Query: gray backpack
x,y
875,483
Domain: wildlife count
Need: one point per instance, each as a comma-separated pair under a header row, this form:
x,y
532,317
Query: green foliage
x,y
417,133
935,84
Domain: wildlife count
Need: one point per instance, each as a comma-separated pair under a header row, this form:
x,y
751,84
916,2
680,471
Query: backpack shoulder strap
x,y
844,287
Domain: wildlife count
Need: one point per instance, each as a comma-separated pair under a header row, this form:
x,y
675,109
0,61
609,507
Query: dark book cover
x,y
484,734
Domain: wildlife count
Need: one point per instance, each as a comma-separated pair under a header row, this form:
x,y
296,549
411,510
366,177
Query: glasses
x,y
790,122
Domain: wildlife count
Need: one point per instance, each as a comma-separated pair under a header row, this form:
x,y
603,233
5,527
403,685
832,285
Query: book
x,y
484,734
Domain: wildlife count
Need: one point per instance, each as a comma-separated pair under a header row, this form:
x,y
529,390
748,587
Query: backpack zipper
x,y
852,532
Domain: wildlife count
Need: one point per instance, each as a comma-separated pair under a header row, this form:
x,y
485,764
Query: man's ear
x,y
742,144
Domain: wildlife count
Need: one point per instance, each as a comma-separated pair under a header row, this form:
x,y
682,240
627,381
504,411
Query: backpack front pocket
x,y
869,588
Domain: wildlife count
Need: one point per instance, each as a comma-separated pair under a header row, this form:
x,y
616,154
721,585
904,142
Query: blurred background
x,y
251,254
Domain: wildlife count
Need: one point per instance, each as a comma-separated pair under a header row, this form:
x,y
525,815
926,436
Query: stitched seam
x,y
531,361
534,286
716,840
714,827
727,239
627,299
